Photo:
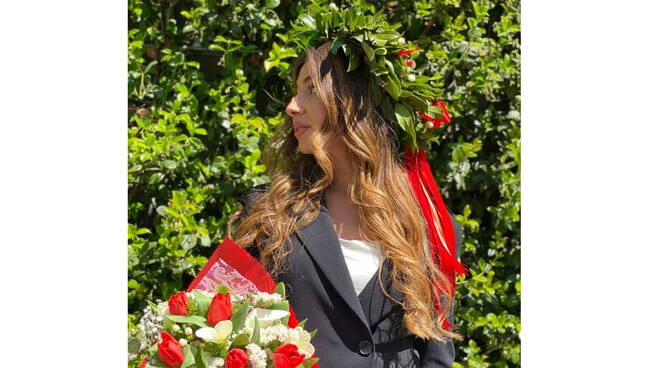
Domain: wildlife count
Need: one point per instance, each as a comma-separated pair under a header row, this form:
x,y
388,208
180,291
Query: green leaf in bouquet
x,y
215,350
280,289
153,349
240,340
188,357
157,364
203,302
301,324
194,320
133,345
239,316
200,358
283,305
256,333
312,334
221,289
152,354
154,306
308,362
192,308
168,325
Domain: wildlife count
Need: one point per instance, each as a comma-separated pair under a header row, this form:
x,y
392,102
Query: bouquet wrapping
x,y
232,315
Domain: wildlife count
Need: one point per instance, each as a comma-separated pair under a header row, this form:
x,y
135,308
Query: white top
x,y
362,258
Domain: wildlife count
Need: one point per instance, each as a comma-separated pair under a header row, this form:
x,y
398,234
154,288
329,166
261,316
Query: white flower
x,y
411,77
183,342
429,124
272,333
188,331
235,298
333,6
297,336
266,298
256,356
217,334
401,41
302,339
163,309
266,317
214,362
176,328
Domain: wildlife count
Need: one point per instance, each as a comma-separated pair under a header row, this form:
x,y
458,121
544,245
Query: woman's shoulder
x,y
255,193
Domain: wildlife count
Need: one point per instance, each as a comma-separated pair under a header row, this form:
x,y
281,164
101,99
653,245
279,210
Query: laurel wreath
x,y
399,91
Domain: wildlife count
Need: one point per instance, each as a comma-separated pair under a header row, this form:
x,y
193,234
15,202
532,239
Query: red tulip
x,y
169,350
220,309
178,304
237,358
287,356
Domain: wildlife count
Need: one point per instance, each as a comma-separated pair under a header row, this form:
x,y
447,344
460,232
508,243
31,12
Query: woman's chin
x,y
304,150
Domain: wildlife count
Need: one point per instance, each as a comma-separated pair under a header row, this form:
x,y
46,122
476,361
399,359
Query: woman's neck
x,y
343,172
343,212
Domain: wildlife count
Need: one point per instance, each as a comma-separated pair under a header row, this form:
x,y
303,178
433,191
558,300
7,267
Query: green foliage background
x,y
199,76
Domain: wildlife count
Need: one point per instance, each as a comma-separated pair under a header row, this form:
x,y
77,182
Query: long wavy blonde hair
x,y
388,210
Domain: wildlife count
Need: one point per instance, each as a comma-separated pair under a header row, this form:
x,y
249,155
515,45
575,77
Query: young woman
x,y
341,227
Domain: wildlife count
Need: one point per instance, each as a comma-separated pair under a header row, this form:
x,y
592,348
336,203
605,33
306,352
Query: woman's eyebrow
x,y
307,79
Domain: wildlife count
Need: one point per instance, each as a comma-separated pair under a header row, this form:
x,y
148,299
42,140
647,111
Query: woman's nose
x,y
293,108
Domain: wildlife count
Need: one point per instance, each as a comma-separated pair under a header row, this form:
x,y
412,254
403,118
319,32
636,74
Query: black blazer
x,y
354,331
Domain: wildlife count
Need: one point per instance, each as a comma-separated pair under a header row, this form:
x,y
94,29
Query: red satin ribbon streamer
x,y
440,229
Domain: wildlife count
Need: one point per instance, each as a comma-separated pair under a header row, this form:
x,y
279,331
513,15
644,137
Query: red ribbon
x,y
440,229
405,52
439,121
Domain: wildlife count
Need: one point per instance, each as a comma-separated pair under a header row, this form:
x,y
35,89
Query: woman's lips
x,y
301,130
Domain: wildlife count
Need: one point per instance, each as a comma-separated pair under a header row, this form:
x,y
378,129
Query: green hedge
x,y
199,78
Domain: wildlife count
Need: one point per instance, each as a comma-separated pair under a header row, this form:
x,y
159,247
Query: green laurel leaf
x,y
368,50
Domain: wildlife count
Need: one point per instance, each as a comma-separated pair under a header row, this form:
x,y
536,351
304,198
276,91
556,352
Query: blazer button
x,y
365,347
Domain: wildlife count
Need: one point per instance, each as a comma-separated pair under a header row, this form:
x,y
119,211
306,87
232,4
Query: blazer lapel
x,y
322,243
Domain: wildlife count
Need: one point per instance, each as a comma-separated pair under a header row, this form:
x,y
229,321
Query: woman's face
x,y
307,111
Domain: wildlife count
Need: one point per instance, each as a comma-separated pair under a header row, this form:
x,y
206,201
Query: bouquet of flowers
x,y
236,325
